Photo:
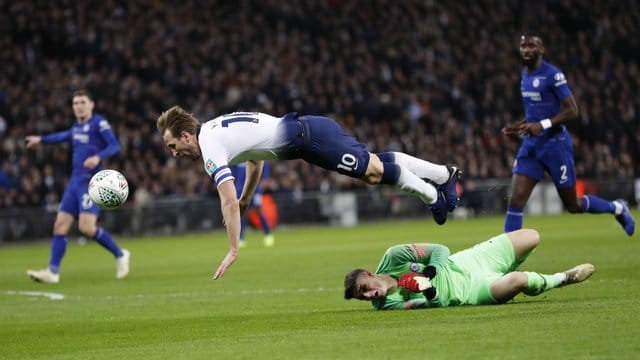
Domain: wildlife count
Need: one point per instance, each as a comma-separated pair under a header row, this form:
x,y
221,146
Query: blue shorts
x,y
327,145
76,198
553,154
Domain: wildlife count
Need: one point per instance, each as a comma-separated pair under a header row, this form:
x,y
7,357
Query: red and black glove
x,y
414,282
420,282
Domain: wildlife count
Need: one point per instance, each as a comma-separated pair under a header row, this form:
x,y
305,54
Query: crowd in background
x,y
430,78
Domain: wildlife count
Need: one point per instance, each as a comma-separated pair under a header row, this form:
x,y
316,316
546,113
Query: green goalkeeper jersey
x,y
402,259
463,278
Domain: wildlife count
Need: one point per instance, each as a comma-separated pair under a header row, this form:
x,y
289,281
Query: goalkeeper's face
x,y
371,286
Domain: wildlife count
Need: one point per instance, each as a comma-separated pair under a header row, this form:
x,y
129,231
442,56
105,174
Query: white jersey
x,y
236,137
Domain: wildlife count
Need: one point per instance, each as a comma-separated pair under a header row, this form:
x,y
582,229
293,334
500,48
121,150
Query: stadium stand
x,y
436,79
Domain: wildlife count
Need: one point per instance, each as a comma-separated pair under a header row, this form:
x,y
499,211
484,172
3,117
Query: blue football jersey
x,y
543,90
93,137
542,93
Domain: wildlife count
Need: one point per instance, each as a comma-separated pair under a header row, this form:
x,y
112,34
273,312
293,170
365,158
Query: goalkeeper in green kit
x,y
413,276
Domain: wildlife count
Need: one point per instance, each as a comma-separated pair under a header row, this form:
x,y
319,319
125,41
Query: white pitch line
x,y
52,296
57,296
223,293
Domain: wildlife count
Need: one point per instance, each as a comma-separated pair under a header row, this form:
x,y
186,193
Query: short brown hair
x,y
83,92
177,120
351,283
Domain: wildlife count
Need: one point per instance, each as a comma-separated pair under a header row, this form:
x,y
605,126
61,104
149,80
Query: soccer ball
x,y
108,189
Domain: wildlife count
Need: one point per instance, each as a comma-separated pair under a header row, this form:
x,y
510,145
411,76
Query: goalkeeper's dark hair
x,y
351,283
177,120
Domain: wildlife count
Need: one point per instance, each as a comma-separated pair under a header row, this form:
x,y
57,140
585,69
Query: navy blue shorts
x,y
327,145
553,154
76,198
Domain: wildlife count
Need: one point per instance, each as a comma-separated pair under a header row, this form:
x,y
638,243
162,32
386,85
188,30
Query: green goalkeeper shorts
x,y
484,264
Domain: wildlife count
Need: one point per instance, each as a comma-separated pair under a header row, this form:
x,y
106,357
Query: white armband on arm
x,y
546,123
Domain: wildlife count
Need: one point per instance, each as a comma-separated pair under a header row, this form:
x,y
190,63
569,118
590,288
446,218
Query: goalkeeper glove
x,y
429,272
430,293
414,282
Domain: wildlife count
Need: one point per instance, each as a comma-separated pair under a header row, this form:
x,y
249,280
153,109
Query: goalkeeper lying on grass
x,y
414,276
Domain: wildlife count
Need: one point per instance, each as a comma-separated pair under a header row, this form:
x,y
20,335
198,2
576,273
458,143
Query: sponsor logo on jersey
x,y
81,138
210,166
532,95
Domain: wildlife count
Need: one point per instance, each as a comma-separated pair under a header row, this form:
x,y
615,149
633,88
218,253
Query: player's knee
x,y
374,172
88,230
532,237
372,179
60,227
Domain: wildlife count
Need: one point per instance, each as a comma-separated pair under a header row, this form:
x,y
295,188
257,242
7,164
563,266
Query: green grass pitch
x,y
286,302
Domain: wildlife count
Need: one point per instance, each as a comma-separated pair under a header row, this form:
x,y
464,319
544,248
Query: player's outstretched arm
x,y
33,140
231,218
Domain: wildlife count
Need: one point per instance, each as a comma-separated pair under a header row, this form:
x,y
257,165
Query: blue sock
x,y
386,157
58,248
243,226
103,238
513,220
595,205
265,224
391,173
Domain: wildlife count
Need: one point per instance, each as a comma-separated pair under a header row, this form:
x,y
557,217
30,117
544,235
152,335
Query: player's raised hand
x,y
228,260
33,140
414,282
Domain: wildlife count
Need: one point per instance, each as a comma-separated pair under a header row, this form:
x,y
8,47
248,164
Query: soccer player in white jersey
x,y
254,137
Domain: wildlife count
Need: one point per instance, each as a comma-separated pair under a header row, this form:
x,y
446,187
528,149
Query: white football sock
x,y
618,206
410,183
422,168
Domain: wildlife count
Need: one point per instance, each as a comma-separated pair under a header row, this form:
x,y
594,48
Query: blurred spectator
x,y
435,79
